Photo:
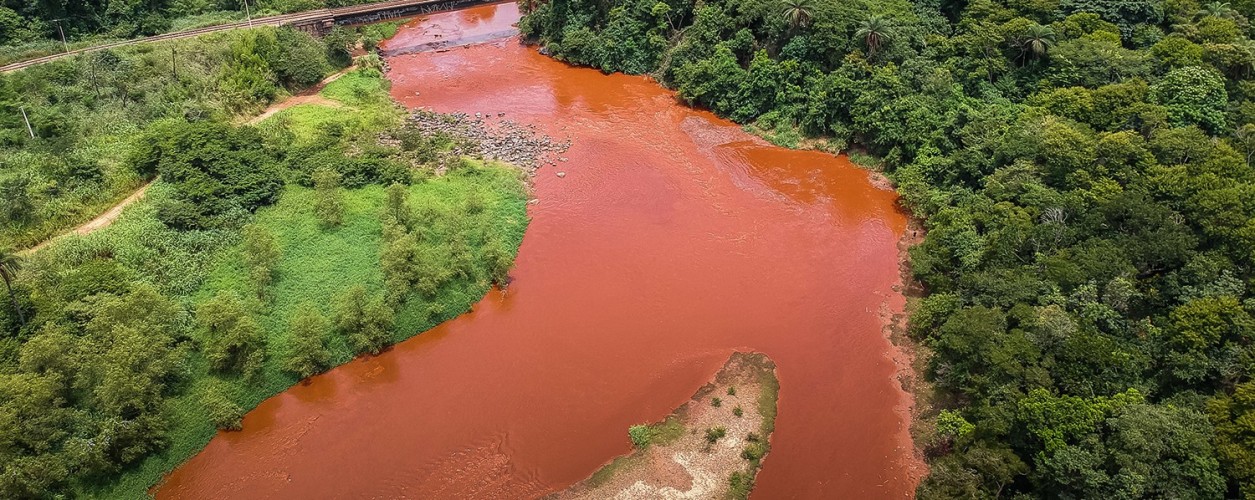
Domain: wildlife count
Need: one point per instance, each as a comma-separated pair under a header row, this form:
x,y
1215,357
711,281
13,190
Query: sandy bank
x,y
710,447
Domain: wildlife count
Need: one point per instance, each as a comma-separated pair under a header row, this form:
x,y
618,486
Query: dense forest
x,y
1082,168
262,254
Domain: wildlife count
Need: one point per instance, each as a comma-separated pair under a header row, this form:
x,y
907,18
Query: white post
x,y
62,31
248,13
29,130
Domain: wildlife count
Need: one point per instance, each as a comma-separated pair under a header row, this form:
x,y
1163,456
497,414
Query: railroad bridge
x,y
376,12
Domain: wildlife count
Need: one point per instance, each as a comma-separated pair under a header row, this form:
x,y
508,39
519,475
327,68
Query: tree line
x,y
1082,168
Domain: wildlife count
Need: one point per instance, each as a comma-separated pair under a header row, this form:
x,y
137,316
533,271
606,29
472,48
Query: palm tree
x,y
10,262
798,12
874,31
1037,40
1217,9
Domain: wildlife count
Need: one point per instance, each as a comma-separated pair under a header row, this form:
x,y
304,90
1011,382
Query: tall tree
x,y
1217,9
875,31
798,12
309,353
329,199
10,262
1036,41
262,255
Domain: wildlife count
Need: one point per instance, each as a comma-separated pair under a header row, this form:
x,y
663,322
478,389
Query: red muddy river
x,y
673,239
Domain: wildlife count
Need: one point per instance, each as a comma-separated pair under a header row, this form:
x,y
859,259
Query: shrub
x,y
716,402
214,168
740,484
223,412
261,255
640,435
738,411
309,353
715,434
329,199
232,341
754,451
366,322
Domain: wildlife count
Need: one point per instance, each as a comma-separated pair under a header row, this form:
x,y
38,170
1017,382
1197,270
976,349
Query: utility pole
x,y
247,13
62,32
29,130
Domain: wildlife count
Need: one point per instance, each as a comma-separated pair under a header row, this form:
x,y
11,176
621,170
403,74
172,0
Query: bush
x,y
309,330
223,412
214,168
329,201
740,484
366,322
640,435
754,451
233,341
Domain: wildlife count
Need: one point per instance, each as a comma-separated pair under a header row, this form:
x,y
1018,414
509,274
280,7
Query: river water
x,y
672,239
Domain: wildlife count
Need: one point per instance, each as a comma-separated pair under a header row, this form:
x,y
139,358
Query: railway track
x,y
279,20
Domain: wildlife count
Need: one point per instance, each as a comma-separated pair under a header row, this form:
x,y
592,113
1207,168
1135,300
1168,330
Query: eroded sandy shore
x,y
710,447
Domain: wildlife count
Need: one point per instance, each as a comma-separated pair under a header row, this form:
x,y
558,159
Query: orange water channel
x,y
673,239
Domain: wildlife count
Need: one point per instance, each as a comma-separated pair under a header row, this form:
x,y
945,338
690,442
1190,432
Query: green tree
x,y
1233,416
223,412
397,208
328,197
797,12
366,322
1036,41
262,255
875,31
1194,96
232,339
1217,9
10,263
308,353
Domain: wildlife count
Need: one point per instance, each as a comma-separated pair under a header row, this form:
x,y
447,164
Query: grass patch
x,y
865,159
667,431
714,434
607,472
767,400
661,433
739,485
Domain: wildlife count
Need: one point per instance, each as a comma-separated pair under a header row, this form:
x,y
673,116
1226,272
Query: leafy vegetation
x,y
1083,172
92,116
660,433
714,434
256,259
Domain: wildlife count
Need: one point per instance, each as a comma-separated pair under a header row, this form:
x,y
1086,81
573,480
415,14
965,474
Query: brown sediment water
x,y
673,239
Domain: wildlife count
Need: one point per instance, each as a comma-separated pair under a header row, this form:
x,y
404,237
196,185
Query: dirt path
x,y
711,447
307,96
101,221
